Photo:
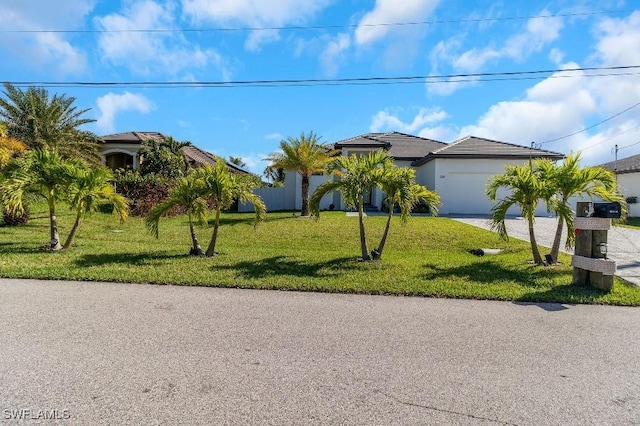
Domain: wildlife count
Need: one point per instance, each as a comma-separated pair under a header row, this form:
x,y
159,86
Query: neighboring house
x,y
122,151
627,171
457,171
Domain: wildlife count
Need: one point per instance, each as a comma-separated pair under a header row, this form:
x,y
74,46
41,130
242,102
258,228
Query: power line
x,y
629,146
321,27
428,79
610,138
590,127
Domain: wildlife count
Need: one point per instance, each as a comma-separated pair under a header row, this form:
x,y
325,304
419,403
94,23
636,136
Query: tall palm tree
x,y
48,122
399,184
223,187
357,176
188,193
304,155
43,174
568,180
88,189
527,189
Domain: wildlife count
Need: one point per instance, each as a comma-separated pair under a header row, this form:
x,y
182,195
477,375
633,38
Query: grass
x,y
427,257
631,222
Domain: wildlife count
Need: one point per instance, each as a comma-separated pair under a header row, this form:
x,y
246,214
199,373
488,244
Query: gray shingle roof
x,y
132,137
475,147
399,145
624,165
200,156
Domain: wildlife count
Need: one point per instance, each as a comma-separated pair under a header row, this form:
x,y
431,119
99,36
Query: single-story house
x,y
122,151
457,171
627,171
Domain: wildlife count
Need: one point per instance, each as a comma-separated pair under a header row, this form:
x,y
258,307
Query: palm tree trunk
x,y
363,237
196,250
212,244
74,231
305,196
377,254
537,259
53,222
555,248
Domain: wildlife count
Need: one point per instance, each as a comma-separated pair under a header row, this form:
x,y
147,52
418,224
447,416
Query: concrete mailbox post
x,y
590,263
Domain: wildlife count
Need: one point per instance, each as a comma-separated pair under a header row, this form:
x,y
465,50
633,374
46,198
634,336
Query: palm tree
x,y
402,190
43,174
569,179
527,190
88,189
188,193
223,187
357,176
51,123
304,155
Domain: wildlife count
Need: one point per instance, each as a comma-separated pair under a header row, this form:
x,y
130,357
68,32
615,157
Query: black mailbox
x,y
610,210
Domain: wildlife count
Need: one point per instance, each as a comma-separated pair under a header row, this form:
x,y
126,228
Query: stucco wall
x,y
629,185
461,184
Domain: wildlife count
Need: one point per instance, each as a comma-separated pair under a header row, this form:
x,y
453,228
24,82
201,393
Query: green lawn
x,y
631,222
428,257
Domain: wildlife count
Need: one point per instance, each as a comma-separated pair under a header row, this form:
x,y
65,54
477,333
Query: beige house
x,y
122,151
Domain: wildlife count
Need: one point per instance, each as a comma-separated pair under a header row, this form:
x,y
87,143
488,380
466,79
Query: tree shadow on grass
x,y
564,293
139,259
249,220
491,272
283,265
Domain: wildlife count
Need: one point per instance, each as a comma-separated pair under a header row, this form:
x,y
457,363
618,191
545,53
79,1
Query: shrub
x,y
15,219
143,191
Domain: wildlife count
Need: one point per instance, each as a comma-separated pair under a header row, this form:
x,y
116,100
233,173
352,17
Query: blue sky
x,y
335,39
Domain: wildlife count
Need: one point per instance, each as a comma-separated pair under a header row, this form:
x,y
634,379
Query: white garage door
x,y
466,193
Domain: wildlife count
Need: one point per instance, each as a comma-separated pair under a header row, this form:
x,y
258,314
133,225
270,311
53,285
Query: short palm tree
x,y
399,184
188,194
223,187
568,180
304,155
527,189
89,188
48,122
357,175
40,173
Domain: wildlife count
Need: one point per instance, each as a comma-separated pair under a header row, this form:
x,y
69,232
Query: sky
x,y
471,68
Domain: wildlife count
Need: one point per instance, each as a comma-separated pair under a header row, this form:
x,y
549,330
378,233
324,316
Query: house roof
x,y
624,165
132,137
196,155
476,147
399,145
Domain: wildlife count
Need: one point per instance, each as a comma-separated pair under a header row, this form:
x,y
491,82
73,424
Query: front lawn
x,y
631,222
428,257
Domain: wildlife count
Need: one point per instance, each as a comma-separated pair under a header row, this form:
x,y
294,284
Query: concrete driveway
x,y
103,354
623,243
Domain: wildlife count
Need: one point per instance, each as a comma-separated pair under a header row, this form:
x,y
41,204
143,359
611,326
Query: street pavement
x,y
131,354
623,243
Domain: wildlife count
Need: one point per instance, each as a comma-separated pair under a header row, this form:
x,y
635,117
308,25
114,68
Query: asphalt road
x,y
102,353
623,243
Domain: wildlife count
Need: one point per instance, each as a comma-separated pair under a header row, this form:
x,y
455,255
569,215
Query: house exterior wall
x,y
629,185
129,149
461,184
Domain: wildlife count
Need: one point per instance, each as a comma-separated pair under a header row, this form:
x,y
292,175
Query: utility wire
x,y
610,138
429,79
629,146
321,27
590,127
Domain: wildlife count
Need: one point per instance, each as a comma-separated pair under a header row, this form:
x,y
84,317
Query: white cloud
x,y
420,124
112,104
334,52
538,34
50,51
274,136
253,13
146,53
391,11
